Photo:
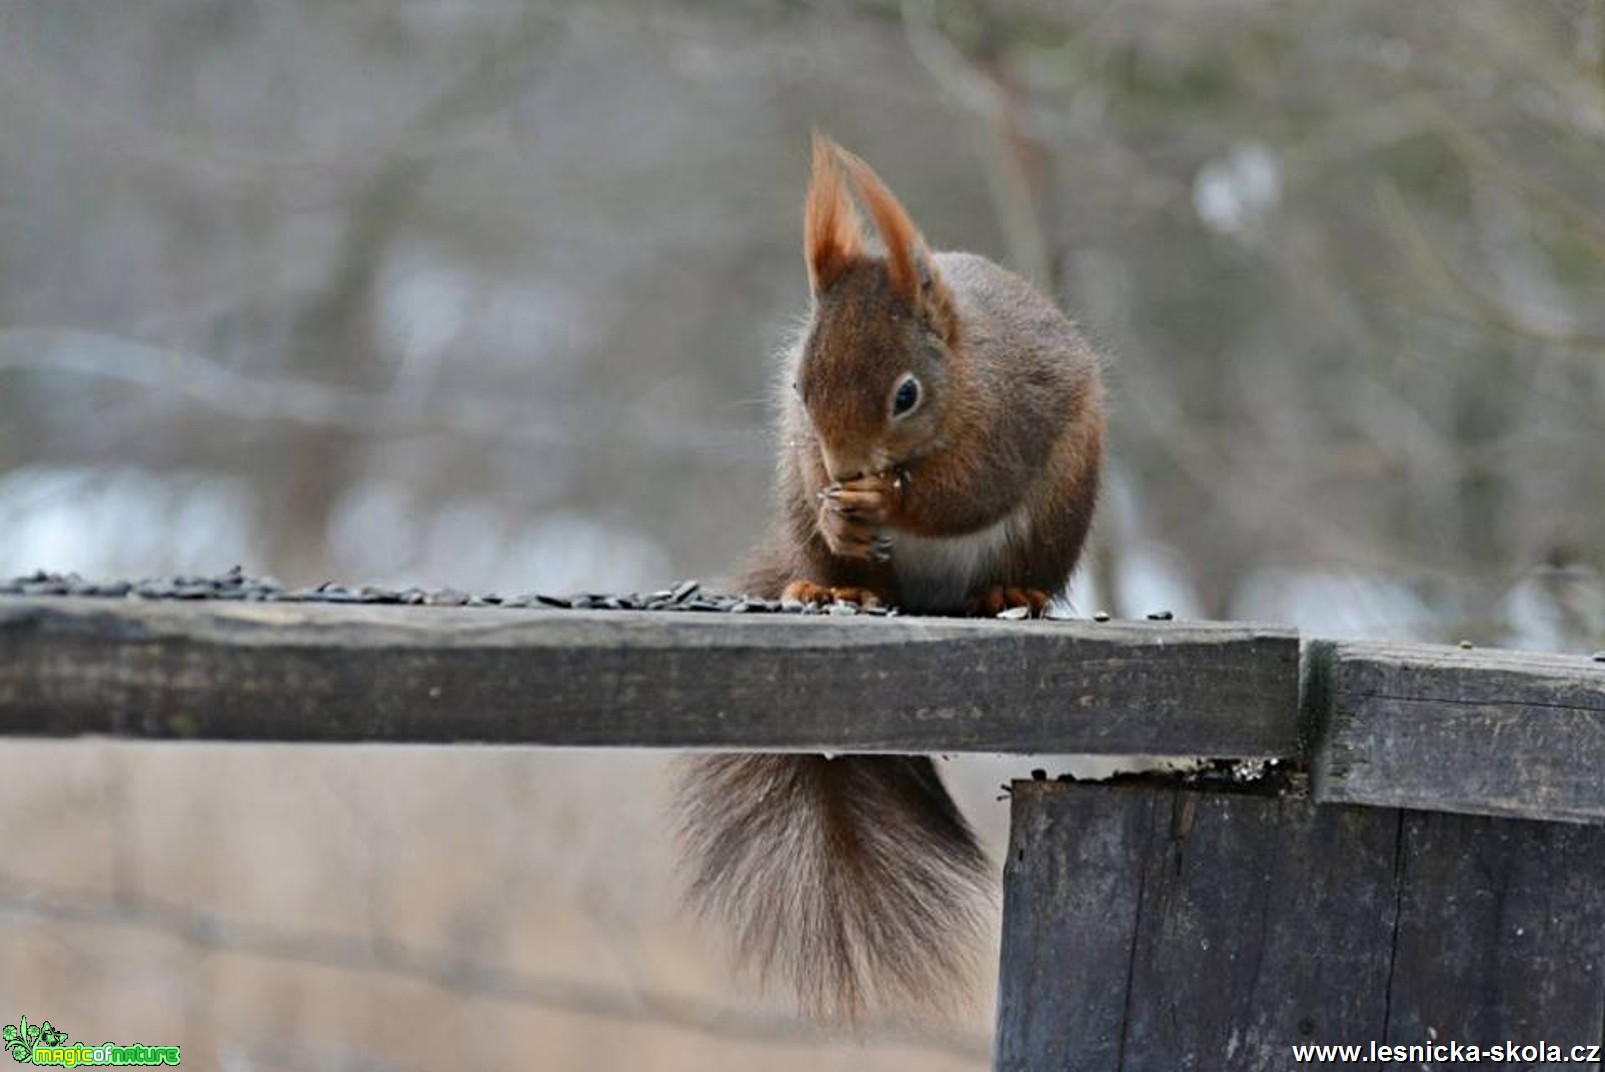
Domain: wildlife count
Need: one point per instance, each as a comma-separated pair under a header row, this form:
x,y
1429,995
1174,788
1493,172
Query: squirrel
x,y
941,435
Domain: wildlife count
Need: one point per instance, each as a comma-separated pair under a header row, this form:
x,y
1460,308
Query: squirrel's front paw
x,y
851,514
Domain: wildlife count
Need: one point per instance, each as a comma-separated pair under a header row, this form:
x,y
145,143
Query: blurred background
x,y
486,293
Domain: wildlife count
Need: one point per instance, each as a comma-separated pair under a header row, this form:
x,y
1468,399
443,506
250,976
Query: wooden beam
x,y
321,672
1446,729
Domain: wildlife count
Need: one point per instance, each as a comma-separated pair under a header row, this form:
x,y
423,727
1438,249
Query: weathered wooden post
x,y
1155,926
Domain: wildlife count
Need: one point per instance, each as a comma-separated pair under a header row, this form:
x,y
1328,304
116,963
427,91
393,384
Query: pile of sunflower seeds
x,y
236,584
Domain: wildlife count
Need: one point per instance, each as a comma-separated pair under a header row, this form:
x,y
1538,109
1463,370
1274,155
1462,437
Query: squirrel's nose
x,y
843,468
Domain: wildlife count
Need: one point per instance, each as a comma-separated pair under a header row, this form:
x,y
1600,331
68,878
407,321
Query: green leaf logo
x,y
19,1039
16,1038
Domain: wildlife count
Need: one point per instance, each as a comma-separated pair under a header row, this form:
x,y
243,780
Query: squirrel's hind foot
x,y
809,592
1001,597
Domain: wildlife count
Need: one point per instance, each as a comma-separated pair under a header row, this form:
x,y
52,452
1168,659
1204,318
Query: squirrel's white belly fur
x,y
937,573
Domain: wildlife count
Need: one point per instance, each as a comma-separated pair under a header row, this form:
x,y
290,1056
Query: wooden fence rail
x,y
1419,726
1484,732
321,672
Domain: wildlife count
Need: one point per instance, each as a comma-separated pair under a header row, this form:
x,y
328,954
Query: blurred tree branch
x,y
173,374
1484,310
242,169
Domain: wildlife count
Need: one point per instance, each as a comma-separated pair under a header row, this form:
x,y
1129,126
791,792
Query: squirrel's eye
x,y
906,397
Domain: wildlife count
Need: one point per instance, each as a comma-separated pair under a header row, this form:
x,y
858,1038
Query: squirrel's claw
x,y
851,515
870,502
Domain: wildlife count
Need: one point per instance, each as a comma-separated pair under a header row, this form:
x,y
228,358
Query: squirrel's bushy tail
x,y
854,879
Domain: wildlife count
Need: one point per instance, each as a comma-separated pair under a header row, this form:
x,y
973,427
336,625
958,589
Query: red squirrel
x,y
941,433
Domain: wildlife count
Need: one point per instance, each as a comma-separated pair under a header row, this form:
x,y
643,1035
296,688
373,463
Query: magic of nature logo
x,y
44,1044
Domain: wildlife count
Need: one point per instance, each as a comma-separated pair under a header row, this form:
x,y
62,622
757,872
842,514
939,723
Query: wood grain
x,y
1501,931
1445,729
1072,888
1152,928
319,672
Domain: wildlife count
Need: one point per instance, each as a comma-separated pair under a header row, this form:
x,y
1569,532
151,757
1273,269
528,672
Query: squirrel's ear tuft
x,y
832,239
909,264
907,259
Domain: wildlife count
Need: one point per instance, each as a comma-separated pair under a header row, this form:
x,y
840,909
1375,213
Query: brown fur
x,y
854,878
